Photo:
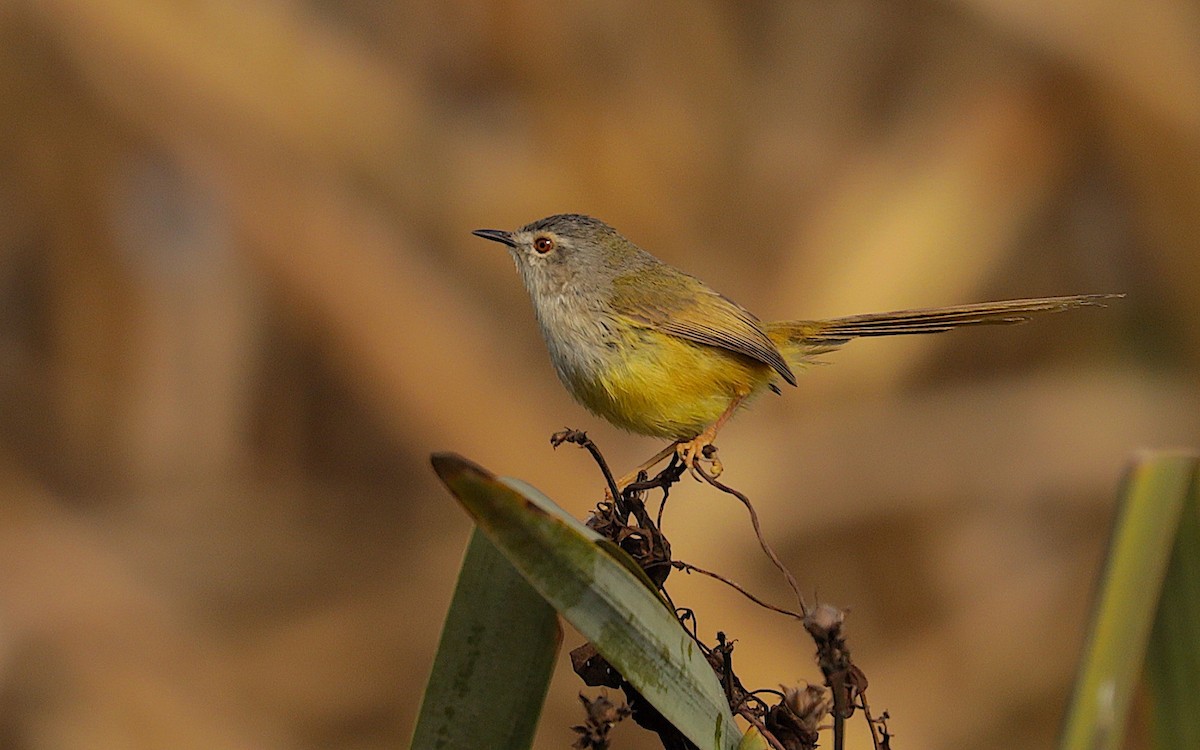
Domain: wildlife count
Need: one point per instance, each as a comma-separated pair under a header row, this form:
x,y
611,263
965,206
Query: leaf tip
x,y
450,466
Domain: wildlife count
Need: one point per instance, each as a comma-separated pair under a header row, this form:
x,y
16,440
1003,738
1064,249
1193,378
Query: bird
x,y
657,351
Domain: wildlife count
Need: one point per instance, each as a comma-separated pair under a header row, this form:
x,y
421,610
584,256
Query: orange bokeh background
x,y
241,306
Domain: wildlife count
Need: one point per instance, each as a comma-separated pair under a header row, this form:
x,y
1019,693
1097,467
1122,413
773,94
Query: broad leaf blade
x,y
614,550
1142,540
628,624
1173,658
494,661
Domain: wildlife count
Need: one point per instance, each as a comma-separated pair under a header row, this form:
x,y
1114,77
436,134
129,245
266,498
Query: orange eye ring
x,y
543,245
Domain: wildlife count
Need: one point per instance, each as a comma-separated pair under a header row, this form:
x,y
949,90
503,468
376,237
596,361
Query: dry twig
x,y
793,722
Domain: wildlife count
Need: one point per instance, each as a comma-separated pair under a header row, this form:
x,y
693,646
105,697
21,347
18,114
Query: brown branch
x,y
580,438
880,743
663,480
758,533
689,568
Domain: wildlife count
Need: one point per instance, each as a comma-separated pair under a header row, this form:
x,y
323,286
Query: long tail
x,y
813,337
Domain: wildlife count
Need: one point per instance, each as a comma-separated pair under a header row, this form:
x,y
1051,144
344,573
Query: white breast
x,y
579,336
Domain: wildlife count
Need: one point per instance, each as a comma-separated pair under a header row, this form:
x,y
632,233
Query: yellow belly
x,y
661,385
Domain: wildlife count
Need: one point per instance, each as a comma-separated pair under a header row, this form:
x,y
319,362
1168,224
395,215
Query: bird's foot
x,y
698,451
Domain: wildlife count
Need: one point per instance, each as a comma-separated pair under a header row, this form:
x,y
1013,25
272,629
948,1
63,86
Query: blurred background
x,y
240,305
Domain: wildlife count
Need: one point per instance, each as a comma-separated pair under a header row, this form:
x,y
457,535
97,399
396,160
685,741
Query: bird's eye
x,y
543,245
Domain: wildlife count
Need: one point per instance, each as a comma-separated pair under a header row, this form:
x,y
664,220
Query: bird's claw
x,y
695,453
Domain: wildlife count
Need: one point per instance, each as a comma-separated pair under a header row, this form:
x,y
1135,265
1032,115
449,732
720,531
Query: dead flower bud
x,y
602,716
824,620
811,703
796,719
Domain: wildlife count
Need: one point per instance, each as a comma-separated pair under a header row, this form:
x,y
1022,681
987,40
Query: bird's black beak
x,y
496,235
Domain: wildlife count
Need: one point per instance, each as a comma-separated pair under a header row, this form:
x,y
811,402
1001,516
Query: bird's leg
x,y
691,452
658,458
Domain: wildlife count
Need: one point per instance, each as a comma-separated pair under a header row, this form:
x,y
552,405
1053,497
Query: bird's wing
x,y
668,300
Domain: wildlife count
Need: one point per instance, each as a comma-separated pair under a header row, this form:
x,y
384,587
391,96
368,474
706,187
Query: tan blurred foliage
x,y
240,306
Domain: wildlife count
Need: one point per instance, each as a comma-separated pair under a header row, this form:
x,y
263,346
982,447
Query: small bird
x,y
656,351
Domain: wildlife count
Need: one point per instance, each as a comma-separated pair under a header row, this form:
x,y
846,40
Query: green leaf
x,y
626,622
612,548
1173,658
1143,537
494,661
753,740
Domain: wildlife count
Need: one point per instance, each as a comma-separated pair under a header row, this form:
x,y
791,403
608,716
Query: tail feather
x,y
818,336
